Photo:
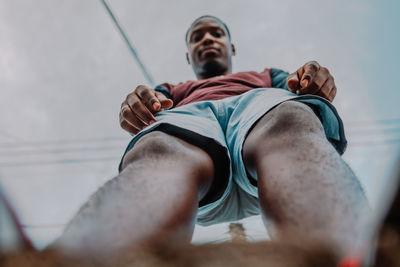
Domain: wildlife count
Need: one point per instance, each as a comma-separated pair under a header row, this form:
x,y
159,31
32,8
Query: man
x,y
223,148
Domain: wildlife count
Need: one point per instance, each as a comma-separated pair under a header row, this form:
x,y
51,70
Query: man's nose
x,y
208,39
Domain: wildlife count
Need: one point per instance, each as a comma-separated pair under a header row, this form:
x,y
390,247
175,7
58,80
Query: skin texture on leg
x,y
304,185
152,201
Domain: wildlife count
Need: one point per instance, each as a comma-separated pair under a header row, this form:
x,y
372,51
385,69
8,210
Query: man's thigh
x,y
258,106
196,125
288,121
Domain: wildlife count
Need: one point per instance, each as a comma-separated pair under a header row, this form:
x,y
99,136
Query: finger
x,y
127,126
148,98
315,85
310,69
126,114
327,88
332,94
324,92
139,109
292,82
166,103
299,73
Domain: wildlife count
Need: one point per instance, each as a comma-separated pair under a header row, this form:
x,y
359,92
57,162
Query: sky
x,y
64,71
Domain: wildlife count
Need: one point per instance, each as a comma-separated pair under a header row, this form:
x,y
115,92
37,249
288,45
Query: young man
x,y
225,147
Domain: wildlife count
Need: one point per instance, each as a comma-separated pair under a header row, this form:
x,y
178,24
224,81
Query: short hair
x,y
211,17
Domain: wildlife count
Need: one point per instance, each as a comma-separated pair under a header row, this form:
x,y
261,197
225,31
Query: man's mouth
x,y
208,51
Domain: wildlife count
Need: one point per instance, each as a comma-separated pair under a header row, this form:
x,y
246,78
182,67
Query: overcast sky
x,y
64,71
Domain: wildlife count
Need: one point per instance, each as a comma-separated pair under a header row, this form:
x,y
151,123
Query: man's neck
x,y
213,71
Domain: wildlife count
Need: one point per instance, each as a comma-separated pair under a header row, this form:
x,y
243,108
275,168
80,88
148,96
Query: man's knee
x,y
153,145
290,118
287,123
158,146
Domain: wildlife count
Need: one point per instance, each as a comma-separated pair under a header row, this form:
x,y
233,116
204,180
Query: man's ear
x,y
233,50
187,58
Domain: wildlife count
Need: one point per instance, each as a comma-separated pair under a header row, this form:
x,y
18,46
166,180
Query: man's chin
x,y
214,68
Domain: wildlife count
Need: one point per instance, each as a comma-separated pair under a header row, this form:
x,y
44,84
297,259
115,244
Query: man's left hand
x,y
313,79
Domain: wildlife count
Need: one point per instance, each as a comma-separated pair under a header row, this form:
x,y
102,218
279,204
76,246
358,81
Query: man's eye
x,y
217,34
196,37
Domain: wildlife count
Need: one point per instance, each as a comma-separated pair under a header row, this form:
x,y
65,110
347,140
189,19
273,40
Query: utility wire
x,y
58,147
373,122
57,151
360,131
53,225
60,161
375,143
128,43
369,131
62,142
113,158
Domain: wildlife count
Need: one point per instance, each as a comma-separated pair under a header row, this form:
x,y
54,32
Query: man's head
x,y
209,47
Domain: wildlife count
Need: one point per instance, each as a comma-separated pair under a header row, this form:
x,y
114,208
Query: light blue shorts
x,y
220,128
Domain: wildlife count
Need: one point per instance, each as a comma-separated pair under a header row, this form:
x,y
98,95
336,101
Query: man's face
x,y
209,48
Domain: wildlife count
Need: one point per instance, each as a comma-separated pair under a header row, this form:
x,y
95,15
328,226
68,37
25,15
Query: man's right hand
x,y
139,106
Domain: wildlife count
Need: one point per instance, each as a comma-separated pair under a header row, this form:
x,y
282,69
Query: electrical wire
x,y
128,42
58,161
373,122
57,151
349,130
394,140
62,142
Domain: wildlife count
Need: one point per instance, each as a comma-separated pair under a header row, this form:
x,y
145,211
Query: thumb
x,y
293,82
165,102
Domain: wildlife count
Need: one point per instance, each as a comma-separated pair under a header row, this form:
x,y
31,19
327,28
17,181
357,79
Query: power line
x,y
117,138
58,151
60,161
63,141
54,225
128,43
56,146
84,160
364,131
359,128
373,122
375,143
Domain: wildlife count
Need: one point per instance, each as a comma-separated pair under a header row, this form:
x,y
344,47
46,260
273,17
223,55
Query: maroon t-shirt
x,y
218,87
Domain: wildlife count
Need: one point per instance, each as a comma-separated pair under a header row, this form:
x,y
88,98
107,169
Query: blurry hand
x,y
139,106
313,79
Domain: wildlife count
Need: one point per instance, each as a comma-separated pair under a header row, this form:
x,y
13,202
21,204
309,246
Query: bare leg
x,y
304,185
153,199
